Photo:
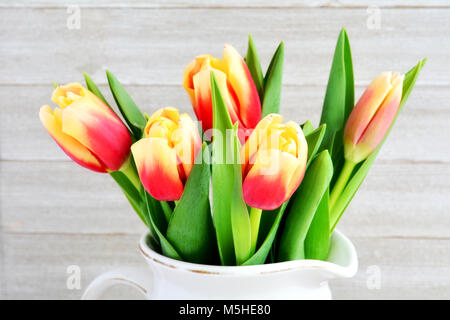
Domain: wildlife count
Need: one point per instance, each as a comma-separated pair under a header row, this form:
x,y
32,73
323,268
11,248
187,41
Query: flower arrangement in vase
x,y
242,186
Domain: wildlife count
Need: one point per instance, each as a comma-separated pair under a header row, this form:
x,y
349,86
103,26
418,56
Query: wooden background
x,y
55,214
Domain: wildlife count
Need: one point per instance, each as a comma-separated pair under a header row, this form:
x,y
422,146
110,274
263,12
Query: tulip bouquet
x,y
242,187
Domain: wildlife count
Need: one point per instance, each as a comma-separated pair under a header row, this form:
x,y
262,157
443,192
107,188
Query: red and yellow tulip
x,y
86,129
367,124
274,162
235,82
372,116
165,156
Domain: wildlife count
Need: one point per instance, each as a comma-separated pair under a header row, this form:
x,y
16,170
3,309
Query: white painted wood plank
x,y
409,269
60,197
154,46
399,199
35,266
230,3
420,134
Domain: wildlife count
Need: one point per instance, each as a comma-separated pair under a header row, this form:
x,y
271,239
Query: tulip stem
x,y
130,172
255,219
341,182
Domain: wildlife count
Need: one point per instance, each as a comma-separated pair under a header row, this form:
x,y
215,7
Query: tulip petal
x,y
188,77
366,107
274,173
243,86
64,95
98,103
202,105
98,130
380,122
200,62
186,142
52,122
157,165
203,102
257,137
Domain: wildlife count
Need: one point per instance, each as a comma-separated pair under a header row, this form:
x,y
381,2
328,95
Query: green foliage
x,y
222,177
254,66
129,110
94,89
190,229
339,100
273,83
304,204
317,241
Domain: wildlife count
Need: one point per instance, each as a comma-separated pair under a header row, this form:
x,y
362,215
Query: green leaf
x,y
190,229
273,83
307,127
254,66
222,176
304,204
240,220
268,237
126,185
131,193
167,210
131,113
349,77
317,241
362,170
155,212
339,97
92,87
314,139
167,249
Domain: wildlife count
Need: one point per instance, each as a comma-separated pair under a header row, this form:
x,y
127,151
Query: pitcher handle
x,y
136,277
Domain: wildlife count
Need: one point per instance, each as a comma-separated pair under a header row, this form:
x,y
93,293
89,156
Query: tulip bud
x,y
274,162
165,156
372,116
235,83
86,129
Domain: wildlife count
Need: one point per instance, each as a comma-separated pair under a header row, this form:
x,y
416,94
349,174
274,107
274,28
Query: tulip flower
x,y
274,161
86,129
235,82
372,116
165,156
368,123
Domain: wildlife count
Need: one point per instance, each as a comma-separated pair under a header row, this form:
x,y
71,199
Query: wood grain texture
x,y
146,47
55,214
160,4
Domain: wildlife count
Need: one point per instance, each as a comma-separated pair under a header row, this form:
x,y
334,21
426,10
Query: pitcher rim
x,y
346,270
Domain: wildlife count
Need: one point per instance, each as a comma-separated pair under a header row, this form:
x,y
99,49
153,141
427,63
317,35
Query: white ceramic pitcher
x,y
166,278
